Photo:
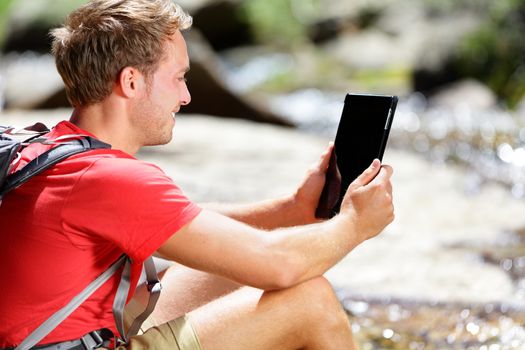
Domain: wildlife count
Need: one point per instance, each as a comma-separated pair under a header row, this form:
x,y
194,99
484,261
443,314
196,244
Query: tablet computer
x,y
361,137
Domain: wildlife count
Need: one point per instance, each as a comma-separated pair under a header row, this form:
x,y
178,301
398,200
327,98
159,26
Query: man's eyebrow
x,y
185,69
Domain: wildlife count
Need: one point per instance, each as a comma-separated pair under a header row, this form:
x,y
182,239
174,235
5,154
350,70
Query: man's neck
x,y
104,121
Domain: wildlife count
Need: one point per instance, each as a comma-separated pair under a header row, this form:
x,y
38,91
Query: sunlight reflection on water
x,y
491,143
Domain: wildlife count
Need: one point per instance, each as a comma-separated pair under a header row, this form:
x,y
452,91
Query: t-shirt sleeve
x,y
127,202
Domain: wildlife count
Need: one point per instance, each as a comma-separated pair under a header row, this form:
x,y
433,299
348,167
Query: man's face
x,y
163,95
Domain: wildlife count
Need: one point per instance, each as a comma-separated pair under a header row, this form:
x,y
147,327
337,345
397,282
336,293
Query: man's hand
x,y
368,201
307,195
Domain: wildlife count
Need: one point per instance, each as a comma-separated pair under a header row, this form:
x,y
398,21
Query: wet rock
x,y
28,23
34,37
30,80
436,63
218,21
325,30
433,214
468,92
428,78
221,23
381,324
57,99
387,44
209,93
329,27
404,36
370,49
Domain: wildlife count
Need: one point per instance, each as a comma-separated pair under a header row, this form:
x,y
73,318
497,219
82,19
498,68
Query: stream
x,y
487,148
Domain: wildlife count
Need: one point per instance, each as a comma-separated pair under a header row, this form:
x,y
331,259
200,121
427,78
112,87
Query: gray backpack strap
x,y
120,299
59,316
154,289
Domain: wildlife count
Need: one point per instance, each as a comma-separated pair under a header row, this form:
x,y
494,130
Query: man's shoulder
x,y
114,160
115,167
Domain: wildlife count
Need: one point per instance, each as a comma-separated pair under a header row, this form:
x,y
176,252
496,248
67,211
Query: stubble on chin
x,y
158,135
153,127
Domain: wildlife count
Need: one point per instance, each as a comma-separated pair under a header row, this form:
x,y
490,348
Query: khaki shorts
x,y
177,334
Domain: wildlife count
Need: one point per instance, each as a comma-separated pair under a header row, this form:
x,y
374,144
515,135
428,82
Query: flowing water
x,y
400,323
489,145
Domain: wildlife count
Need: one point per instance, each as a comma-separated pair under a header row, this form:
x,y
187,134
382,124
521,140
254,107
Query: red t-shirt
x,y
64,227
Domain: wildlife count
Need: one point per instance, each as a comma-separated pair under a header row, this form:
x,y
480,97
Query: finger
x,y
367,175
325,157
385,172
388,168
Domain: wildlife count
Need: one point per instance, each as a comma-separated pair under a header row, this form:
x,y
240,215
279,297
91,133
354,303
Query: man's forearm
x,y
268,260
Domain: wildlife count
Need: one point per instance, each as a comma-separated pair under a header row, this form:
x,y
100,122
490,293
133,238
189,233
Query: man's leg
x,y
307,316
183,290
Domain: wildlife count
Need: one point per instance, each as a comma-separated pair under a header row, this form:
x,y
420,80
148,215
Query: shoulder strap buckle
x,y
97,339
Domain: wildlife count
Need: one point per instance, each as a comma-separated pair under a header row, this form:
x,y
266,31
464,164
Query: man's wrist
x,y
303,212
347,224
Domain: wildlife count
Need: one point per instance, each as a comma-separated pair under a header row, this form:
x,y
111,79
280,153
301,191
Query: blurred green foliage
x,y
19,13
279,22
447,7
5,6
495,53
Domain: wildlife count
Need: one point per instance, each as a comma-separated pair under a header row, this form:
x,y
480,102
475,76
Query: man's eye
x,y
182,79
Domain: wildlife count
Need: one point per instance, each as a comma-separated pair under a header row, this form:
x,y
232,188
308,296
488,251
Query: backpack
x,y
12,142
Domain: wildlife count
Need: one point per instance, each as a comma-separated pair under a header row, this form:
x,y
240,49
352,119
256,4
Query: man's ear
x,y
130,81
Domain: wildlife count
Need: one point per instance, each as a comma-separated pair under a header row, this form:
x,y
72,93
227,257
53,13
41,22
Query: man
x,y
123,63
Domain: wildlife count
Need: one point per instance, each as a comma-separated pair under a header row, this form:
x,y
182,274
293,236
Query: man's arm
x,y
295,209
284,257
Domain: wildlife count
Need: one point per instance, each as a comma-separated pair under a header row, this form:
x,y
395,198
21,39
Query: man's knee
x,y
319,300
317,289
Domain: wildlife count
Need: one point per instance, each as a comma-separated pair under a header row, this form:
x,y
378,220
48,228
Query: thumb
x,y
367,175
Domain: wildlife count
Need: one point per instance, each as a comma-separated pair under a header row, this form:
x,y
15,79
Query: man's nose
x,y
185,96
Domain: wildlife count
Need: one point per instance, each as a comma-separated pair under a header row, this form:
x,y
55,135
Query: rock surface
x,y
418,257
468,92
210,94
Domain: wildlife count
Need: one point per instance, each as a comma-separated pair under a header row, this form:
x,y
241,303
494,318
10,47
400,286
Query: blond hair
x,y
102,37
